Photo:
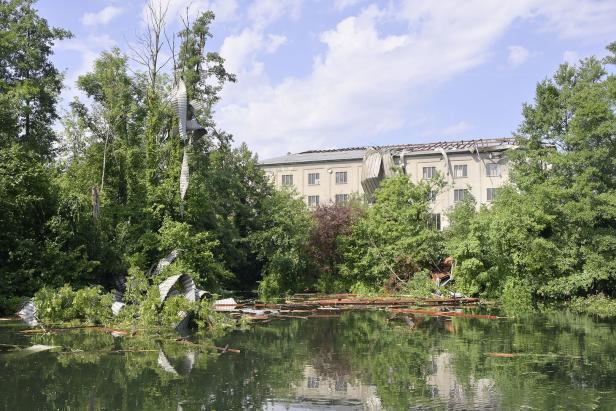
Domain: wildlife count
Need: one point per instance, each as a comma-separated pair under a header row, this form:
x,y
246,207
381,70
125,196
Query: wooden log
x,y
226,349
446,314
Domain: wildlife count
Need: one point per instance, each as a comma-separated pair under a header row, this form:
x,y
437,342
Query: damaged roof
x,y
357,153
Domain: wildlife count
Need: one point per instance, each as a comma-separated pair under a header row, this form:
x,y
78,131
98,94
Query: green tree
x,y
283,245
394,239
554,229
29,82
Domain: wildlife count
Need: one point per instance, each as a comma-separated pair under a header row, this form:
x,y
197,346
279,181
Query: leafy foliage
x,y
554,228
331,223
393,240
283,245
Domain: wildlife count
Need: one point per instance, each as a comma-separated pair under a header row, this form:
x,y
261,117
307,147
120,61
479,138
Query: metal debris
x,y
226,304
184,175
164,262
371,170
40,347
188,288
116,306
28,314
180,105
377,164
193,124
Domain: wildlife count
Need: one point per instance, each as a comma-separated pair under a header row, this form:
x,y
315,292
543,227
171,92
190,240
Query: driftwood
x,y
226,349
445,313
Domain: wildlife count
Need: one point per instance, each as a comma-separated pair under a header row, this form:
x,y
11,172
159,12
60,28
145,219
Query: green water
x,y
359,360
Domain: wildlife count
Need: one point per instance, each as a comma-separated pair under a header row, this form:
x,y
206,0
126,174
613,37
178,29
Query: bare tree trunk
x,y
150,42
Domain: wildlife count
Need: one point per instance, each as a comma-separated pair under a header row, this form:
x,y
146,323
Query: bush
x,y
89,305
598,305
517,297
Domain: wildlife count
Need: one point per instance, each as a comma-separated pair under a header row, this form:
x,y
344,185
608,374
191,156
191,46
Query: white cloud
x,y
580,20
225,10
264,12
517,55
275,41
365,82
102,17
343,4
456,130
571,57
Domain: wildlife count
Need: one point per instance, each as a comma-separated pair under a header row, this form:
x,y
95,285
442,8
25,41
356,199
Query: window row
x,y
314,179
462,193
461,170
314,201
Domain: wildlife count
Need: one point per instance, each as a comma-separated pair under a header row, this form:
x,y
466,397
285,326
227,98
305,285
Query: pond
x,y
351,360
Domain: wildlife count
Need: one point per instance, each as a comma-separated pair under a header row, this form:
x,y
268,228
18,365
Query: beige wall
x,y
477,181
327,187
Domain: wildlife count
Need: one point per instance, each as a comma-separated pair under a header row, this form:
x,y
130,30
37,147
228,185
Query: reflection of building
x,y
477,167
317,392
446,387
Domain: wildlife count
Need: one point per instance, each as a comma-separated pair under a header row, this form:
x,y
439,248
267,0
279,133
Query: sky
x,y
318,74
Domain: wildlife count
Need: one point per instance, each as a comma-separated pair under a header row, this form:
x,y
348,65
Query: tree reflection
x,y
360,359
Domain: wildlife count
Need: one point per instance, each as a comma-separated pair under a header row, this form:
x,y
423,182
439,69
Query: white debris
x,y
28,314
165,364
226,304
189,290
116,307
164,262
40,347
184,175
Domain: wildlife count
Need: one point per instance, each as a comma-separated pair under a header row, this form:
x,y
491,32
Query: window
x,y
341,177
429,173
340,385
491,194
436,221
287,179
432,195
459,195
313,201
493,170
460,170
313,382
313,179
342,198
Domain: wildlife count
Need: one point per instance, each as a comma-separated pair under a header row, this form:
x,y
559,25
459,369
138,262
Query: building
x,y
477,167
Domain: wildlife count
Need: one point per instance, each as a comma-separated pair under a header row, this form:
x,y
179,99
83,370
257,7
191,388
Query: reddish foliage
x,y
332,221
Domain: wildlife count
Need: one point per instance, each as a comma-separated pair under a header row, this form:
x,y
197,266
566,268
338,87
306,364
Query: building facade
x,y
471,167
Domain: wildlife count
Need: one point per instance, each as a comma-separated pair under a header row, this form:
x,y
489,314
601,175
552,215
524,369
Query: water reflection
x,y
361,360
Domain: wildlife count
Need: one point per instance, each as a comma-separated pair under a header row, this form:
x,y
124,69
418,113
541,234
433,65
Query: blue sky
x,y
336,73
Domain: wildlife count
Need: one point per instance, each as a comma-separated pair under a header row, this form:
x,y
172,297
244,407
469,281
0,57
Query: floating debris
x,y
446,314
40,347
226,304
226,349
